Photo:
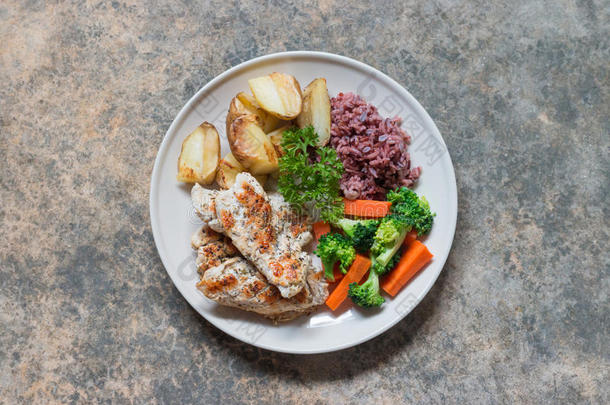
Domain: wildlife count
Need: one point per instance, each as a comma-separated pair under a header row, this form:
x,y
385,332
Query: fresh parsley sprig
x,y
310,175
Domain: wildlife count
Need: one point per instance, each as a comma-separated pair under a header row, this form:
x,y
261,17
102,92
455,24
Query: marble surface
x,y
519,91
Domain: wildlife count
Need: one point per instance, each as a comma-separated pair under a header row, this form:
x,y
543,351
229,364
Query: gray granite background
x,y
520,92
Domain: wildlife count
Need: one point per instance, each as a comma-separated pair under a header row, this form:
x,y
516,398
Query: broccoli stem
x,y
385,257
329,266
373,280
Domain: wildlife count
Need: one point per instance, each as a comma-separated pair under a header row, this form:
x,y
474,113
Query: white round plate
x,y
174,221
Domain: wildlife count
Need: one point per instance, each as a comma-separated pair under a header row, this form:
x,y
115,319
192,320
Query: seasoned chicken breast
x,y
263,228
212,248
246,216
204,203
285,219
237,283
229,279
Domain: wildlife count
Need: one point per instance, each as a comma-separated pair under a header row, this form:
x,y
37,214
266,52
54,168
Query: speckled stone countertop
x,y
520,92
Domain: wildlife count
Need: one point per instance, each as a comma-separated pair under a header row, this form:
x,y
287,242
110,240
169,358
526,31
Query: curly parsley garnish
x,y
309,175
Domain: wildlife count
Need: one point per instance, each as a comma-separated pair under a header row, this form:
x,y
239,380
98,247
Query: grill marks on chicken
x,y
257,216
237,283
264,227
286,220
212,249
226,219
229,279
265,236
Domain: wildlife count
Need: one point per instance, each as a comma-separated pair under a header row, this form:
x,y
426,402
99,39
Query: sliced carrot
x,y
320,228
367,208
357,270
411,236
416,256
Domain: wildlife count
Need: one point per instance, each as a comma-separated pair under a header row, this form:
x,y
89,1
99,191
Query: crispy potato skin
x,y
240,143
236,108
279,94
200,155
316,110
251,146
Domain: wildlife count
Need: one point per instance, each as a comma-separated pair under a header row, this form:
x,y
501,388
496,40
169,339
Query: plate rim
x,y
162,151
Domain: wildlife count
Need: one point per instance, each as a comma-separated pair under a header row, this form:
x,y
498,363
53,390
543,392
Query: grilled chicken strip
x,y
271,239
286,219
204,202
212,249
229,279
237,283
246,217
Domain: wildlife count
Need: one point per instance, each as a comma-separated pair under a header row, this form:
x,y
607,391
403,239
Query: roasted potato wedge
x,y
236,108
316,110
244,103
200,155
251,146
279,94
276,139
268,121
229,168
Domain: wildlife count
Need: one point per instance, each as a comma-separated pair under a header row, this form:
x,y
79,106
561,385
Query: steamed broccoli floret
x,y
413,210
367,295
333,248
388,239
361,231
408,212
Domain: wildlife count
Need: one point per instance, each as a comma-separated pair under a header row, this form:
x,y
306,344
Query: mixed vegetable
x,y
374,236
389,243
407,212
